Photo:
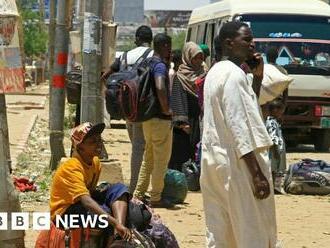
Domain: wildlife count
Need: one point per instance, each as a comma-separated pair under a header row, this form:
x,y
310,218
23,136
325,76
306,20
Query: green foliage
x,y
23,160
35,35
178,40
69,118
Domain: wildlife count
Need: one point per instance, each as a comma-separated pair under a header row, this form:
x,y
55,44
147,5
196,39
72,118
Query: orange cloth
x,y
72,179
55,237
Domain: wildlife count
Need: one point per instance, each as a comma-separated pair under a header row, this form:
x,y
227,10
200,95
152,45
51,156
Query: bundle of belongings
x,y
175,187
309,177
273,83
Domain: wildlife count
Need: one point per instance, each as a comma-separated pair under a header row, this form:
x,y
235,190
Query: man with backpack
x,y
143,39
157,128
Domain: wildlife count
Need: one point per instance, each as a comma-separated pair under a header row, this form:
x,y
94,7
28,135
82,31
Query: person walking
x,y
236,180
158,129
185,106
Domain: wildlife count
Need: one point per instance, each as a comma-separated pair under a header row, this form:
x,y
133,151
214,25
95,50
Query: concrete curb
x,y
23,140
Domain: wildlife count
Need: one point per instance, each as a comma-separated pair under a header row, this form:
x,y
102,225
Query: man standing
x,y
158,129
143,39
236,180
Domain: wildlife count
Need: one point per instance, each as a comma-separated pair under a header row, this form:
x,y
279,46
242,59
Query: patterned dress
x,y
275,132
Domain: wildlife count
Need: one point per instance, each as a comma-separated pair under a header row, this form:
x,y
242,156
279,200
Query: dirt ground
x,y
303,221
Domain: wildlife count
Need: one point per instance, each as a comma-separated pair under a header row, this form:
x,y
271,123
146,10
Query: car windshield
x,y
302,41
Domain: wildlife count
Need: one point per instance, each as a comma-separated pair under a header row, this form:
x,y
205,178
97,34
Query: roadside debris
x,y
24,184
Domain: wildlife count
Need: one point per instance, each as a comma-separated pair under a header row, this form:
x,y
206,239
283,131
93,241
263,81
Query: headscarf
x,y
186,73
206,50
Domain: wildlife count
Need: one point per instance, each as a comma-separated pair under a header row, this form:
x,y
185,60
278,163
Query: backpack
x,y
114,85
138,216
310,177
139,240
192,172
137,96
160,235
73,86
175,187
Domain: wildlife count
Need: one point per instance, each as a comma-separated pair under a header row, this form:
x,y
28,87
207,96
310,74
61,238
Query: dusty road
x,y
303,221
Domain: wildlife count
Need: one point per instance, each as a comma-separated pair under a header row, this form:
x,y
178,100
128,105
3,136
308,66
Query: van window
x,y
210,35
193,35
302,41
218,26
205,33
209,40
200,33
188,34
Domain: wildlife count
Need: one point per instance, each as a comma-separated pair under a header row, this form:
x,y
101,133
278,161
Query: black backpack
x,y
137,97
147,105
114,96
192,172
138,216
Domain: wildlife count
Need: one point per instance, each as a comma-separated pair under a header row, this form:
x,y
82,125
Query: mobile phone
x,y
252,63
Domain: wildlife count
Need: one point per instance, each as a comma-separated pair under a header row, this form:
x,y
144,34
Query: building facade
x,y
129,11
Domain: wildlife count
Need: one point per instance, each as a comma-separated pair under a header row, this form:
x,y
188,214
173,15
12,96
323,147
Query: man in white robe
x,y
236,179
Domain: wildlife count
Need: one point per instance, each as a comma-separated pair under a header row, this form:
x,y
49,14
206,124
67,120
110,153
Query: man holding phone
x,y
236,179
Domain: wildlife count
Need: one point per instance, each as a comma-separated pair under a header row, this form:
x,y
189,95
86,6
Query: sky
x,y
173,4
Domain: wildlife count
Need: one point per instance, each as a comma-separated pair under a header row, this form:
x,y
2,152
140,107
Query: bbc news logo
x,y
41,221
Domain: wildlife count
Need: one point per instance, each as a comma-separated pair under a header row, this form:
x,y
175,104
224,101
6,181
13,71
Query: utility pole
x,y
9,201
91,92
107,34
57,99
51,46
51,40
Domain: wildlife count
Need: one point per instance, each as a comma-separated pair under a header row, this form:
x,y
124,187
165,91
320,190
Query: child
x,y
277,152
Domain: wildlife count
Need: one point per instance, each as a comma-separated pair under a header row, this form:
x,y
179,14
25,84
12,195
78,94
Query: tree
x,y
178,40
35,35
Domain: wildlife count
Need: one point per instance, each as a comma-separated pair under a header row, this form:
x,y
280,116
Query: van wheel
x,y
321,139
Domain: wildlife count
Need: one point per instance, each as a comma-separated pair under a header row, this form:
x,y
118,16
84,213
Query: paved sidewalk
x,y
22,113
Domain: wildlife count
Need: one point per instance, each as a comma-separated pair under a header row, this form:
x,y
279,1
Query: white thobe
x,y
233,127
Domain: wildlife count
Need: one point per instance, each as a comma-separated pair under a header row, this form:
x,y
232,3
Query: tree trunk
x,y
9,201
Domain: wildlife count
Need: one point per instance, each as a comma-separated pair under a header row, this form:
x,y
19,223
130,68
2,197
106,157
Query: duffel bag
x,y
310,177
